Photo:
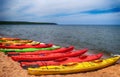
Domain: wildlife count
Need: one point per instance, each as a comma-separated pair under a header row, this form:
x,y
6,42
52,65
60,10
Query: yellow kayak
x,y
17,41
73,67
9,38
20,42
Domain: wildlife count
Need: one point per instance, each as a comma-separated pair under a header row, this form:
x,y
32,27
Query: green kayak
x,y
29,49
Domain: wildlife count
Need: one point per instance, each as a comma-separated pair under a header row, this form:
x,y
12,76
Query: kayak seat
x,y
83,57
70,64
97,61
61,59
6,44
19,44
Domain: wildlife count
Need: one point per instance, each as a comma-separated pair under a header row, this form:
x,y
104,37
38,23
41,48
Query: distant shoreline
x,y
25,23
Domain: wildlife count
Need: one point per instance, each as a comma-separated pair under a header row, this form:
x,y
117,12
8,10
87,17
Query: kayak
x,y
48,56
16,41
9,38
41,45
19,43
29,49
73,67
59,50
62,61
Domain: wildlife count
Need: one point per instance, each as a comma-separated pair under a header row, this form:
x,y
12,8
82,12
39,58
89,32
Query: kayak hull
x,y
9,38
59,50
48,56
19,43
26,46
74,68
29,49
61,61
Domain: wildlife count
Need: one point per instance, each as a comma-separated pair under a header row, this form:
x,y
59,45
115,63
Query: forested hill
x,y
25,22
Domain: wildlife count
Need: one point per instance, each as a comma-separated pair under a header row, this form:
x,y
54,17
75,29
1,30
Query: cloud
x,y
112,10
45,7
62,11
111,18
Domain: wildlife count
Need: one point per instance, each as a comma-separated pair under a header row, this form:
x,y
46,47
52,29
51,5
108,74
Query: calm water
x,y
105,38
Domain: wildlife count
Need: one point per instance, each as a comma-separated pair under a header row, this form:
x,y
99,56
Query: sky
x,y
62,11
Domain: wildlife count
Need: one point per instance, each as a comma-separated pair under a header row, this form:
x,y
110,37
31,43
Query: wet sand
x,y
10,68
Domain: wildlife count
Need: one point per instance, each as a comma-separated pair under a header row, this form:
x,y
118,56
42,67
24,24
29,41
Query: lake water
x,y
102,38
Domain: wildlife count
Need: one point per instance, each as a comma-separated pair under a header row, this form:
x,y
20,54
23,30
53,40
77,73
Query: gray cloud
x,y
62,11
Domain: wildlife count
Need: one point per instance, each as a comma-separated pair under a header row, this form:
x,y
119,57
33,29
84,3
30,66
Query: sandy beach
x,y
10,68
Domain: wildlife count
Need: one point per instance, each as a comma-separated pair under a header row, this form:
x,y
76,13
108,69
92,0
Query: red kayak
x,y
48,56
61,61
60,50
41,45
